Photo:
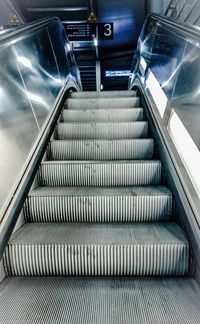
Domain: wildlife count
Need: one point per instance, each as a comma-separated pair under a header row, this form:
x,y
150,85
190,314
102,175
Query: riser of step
x,y
105,103
103,205
101,150
77,131
123,173
98,250
103,94
103,115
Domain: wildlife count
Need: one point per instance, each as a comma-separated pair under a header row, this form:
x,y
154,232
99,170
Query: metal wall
x,y
33,69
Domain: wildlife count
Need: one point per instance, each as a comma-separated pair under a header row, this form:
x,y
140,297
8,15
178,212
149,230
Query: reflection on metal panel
x,y
157,93
18,128
186,96
172,76
37,66
180,135
33,68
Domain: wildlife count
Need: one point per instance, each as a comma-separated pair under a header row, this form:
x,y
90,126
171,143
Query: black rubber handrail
x,y
27,28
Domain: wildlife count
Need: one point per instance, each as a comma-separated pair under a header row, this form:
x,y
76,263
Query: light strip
x,y
118,73
56,9
188,151
157,93
143,63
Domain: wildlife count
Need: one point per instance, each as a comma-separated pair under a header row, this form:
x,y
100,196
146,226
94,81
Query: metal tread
x,y
95,173
102,115
105,191
98,249
128,149
103,94
99,300
101,205
99,103
98,130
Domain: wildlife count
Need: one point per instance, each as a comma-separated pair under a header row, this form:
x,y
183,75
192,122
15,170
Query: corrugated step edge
x,y
76,131
101,149
102,115
60,255
93,205
123,173
103,94
100,103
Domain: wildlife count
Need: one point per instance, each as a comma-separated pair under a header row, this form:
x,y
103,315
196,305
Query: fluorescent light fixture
x,y
188,151
95,42
24,61
157,93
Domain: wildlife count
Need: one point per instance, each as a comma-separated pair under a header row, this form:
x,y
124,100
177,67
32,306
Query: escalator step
x,y
103,94
90,300
101,149
80,173
105,103
93,204
76,131
103,115
98,250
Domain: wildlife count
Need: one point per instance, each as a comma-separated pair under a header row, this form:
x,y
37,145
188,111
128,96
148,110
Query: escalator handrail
x,y
27,28
191,30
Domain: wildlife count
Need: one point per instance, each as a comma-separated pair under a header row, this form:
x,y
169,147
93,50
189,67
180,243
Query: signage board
x,y
88,31
80,32
105,31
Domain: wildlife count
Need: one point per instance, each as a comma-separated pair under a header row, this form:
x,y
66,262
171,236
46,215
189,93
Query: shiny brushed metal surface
x,y
173,56
33,67
18,127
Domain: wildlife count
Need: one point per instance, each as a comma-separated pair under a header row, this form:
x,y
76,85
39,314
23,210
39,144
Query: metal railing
x,y
184,11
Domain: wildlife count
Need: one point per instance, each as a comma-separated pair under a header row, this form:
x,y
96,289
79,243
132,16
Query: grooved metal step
x,y
99,300
93,204
103,94
92,173
98,250
105,103
103,115
74,131
101,149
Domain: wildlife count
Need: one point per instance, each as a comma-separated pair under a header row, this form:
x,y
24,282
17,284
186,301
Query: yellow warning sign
x,y
14,20
92,17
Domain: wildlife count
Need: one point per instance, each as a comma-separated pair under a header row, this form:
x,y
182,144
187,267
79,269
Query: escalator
x,y
101,237
98,218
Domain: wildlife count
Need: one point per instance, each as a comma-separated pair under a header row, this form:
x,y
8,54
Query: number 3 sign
x,y
106,31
